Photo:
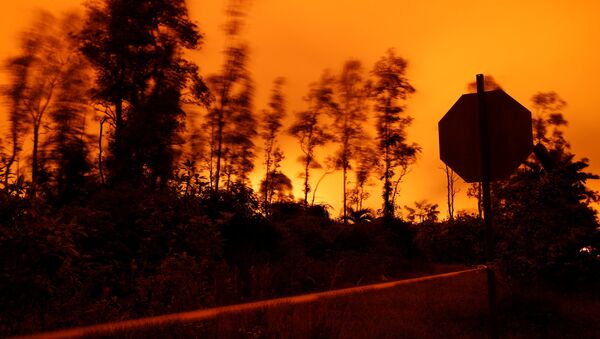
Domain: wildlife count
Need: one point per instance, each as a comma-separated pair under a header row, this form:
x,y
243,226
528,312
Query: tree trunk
x,y
306,187
100,170
317,187
361,191
219,150
13,157
118,167
267,180
450,191
388,208
393,200
387,185
34,156
211,158
345,170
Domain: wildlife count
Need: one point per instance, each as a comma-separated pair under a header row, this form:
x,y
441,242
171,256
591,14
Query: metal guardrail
x,y
212,313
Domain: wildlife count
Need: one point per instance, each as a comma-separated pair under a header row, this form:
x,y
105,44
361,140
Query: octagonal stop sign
x,y
509,135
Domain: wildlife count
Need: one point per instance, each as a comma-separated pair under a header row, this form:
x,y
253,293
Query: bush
x,y
452,241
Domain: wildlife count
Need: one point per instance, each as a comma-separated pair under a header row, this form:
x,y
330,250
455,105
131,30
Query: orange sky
x,y
528,46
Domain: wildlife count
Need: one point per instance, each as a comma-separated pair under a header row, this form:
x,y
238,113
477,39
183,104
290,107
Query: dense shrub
x,y
452,241
546,228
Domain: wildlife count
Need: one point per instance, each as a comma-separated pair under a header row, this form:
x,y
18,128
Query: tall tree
x,y
271,125
141,72
389,90
349,112
230,118
545,217
309,129
451,189
48,60
14,93
66,141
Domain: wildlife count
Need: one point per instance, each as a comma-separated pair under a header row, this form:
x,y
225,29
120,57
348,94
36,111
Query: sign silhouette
x,y
484,137
509,135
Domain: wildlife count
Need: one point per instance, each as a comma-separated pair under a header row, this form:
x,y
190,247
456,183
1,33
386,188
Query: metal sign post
x,y
487,205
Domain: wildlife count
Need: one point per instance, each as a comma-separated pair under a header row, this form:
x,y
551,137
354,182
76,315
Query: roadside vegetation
x,y
134,198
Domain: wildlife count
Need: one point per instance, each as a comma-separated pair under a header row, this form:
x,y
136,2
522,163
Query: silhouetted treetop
x,y
122,36
348,108
309,128
47,92
271,124
389,90
141,73
548,114
489,84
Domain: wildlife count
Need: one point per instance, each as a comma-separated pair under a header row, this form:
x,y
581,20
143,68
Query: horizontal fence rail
x,y
342,304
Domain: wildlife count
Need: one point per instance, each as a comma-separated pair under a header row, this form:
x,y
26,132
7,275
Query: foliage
x,y
366,165
545,220
48,77
459,240
422,212
547,108
141,75
489,84
281,189
361,215
231,120
271,124
389,90
309,129
348,108
162,234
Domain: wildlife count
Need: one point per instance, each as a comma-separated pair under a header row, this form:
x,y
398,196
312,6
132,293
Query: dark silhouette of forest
x,y
125,189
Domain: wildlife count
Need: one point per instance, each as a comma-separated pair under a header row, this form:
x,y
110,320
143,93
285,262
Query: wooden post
x,y
487,206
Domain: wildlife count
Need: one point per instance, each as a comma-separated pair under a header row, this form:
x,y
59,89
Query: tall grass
x,y
444,306
451,305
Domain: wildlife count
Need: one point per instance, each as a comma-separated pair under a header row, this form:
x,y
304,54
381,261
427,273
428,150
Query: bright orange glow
x,y
528,46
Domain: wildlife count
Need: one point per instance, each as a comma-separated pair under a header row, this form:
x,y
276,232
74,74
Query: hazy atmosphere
x,y
299,169
528,47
